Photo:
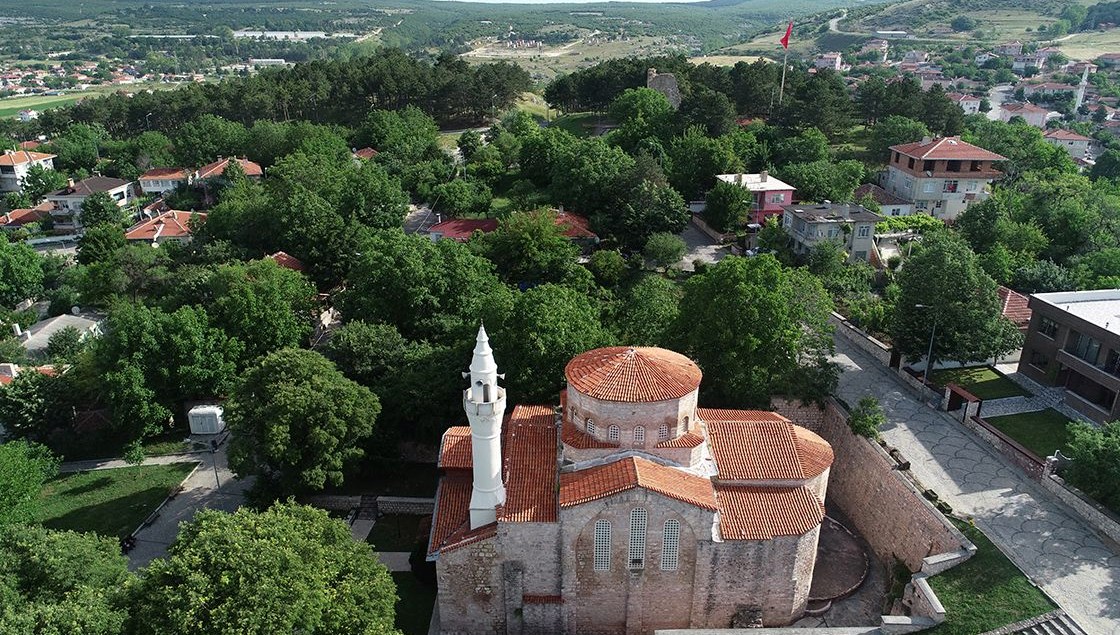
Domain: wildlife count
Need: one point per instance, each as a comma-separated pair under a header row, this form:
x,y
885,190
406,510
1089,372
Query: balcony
x,y
1092,371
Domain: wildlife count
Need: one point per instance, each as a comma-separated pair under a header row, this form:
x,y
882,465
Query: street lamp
x,y
147,121
214,462
932,334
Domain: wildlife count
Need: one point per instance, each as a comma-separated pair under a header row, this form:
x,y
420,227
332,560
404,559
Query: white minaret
x,y
485,403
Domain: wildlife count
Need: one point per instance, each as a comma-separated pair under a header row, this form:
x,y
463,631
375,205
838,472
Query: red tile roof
x,y
461,229
597,482
529,466
29,145
218,168
572,436
1023,108
632,374
761,513
946,148
365,153
19,157
455,448
170,224
1062,134
164,173
575,226
1014,307
287,261
763,446
453,503
25,215
691,439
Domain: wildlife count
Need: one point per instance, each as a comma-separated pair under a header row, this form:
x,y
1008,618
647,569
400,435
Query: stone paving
x,y
1067,559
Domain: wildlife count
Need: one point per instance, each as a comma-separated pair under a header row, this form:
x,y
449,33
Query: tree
x,y
547,327
649,207
24,468
39,181
894,130
642,113
64,345
461,197
648,311
529,248
298,422
867,417
469,143
963,23
290,569
664,250
78,147
262,304
21,272
102,242
697,159
960,300
99,208
1107,166
1095,468
757,329
726,207
824,181
608,266
54,582
1042,276
209,137
709,109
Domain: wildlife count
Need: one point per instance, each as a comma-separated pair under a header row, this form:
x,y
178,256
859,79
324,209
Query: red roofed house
x,y
217,168
767,193
970,104
889,204
14,165
29,145
1076,145
1014,306
159,181
365,154
170,226
287,261
461,229
941,176
19,217
626,509
1034,115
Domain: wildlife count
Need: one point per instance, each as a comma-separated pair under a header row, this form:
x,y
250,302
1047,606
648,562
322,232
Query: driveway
x,y
700,247
1068,560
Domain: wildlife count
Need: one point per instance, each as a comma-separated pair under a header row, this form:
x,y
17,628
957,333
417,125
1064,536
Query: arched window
x,y
602,551
612,433
638,517
640,435
671,545
686,422
572,413
590,427
663,432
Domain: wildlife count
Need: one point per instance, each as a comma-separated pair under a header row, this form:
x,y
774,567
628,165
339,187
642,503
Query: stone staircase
x,y
1052,623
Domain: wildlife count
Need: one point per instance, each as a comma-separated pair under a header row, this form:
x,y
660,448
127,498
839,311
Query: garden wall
x,y
1021,457
1095,514
873,347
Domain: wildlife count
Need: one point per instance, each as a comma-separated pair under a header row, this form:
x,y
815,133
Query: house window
x,y
976,166
590,427
928,187
950,186
778,197
911,163
1039,360
612,433
928,166
638,518
953,166
663,432
1086,348
671,545
602,549
639,435
1047,327
970,186
864,231
897,157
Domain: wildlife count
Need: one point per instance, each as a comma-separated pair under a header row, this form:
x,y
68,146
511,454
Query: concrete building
x,y
15,164
849,224
68,201
626,509
1076,145
832,60
171,226
1073,341
1033,115
160,181
970,104
889,204
768,194
38,335
941,176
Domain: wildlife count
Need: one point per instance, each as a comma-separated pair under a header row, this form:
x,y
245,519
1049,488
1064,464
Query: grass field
x,y
727,60
981,381
985,592
1041,432
11,106
546,63
1090,45
395,532
414,609
581,124
108,502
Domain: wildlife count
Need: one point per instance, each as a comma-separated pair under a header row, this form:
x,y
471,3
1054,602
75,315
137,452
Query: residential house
x,y
889,204
1015,307
159,181
36,337
1047,89
365,154
29,145
941,176
983,58
768,194
1020,63
67,202
1077,68
847,223
970,104
217,168
878,46
26,116
915,57
287,261
462,229
1077,145
18,218
1073,341
15,164
170,226
1009,48
831,60
1034,115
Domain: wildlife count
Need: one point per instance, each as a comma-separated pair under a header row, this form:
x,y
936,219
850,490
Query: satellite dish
x,y
76,310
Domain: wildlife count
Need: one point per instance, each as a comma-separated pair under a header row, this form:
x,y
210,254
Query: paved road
x,y
700,247
1052,546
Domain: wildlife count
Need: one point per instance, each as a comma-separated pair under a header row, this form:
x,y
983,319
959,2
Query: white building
x,y
1075,144
1034,115
831,60
851,225
68,201
970,104
159,181
942,177
15,164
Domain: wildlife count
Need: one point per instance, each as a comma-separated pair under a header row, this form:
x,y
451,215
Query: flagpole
x,y
785,63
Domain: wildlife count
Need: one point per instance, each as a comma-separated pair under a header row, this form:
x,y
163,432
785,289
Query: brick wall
x,y
470,590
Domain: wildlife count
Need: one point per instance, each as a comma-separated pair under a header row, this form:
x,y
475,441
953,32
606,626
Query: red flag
x,y
785,38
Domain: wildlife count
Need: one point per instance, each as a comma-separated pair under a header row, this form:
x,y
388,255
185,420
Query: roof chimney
x,y
926,140
763,176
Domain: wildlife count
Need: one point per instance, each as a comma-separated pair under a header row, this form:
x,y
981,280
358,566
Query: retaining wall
x,y
1023,458
873,347
1095,514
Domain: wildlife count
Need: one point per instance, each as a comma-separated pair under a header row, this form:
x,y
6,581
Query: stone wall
x,y
1096,515
1021,457
470,598
883,502
406,505
880,351
333,502
711,233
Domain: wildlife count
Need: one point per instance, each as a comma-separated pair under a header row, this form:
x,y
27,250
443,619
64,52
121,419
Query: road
x,y
996,96
834,23
1051,545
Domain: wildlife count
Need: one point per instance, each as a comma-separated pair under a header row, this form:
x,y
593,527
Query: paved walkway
x,y
1051,545
700,247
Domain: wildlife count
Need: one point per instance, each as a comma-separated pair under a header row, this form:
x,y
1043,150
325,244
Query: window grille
x,y
590,427
671,545
638,518
663,432
602,549
612,433
639,435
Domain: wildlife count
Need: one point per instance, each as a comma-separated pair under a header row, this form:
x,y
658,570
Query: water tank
x,y
206,420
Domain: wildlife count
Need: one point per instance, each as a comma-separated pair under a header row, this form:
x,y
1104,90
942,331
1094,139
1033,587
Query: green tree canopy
x,y
299,423
530,248
894,130
265,306
102,242
726,207
21,272
100,208
648,311
207,138
290,569
24,468
40,181
823,180
664,249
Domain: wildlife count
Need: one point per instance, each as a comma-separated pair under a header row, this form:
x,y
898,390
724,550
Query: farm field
x,y
547,62
727,60
11,106
1089,45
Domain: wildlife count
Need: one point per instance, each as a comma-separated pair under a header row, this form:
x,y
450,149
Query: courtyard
x,y
982,381
1043,432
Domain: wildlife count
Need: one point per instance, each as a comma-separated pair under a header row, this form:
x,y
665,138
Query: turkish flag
x,y
785,38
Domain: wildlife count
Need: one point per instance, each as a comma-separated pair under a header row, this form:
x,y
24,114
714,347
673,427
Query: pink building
x,y
768,194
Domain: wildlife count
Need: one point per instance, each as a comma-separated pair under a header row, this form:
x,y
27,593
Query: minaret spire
x,y
485,404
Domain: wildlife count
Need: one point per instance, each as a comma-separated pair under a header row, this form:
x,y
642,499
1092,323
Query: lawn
x,y
395,532
985,592
581,124
10,107
109,502
414,609
981,381
1041,432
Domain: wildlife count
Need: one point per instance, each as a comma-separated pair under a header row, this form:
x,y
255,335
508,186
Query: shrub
x,y
1095,469
664,250
867,417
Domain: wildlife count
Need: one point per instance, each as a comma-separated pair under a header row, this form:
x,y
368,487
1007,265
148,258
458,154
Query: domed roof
x,y
632,374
